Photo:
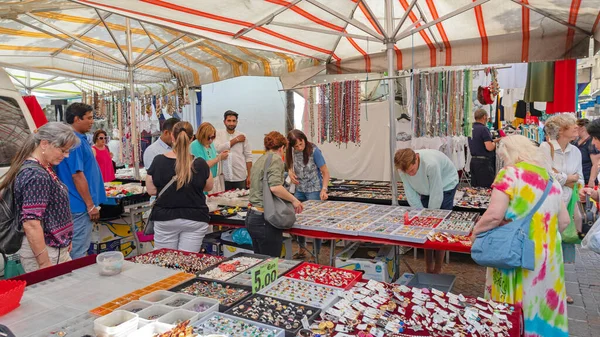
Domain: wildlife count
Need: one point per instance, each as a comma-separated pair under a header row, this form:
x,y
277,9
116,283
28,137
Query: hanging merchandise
x,y
311,113
339,112
540,82
485,95
444,104
565,78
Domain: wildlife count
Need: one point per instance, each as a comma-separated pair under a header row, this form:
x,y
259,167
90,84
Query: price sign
x,y
264,275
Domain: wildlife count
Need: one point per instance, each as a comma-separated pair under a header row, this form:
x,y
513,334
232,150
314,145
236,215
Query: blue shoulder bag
x,y
508,246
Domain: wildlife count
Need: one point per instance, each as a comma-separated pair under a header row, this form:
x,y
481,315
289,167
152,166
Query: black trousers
x,y
232,185
266,239
483,172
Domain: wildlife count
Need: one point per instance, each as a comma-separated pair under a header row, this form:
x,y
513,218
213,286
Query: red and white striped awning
x,y
350,34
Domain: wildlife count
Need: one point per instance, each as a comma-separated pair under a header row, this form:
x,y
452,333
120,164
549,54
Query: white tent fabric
x,y
350,34
69,39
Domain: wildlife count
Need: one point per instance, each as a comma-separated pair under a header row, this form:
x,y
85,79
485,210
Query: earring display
x,y
464,240
274,312
475,197
329,276
227,294
173,259
381,309
232,266
297,291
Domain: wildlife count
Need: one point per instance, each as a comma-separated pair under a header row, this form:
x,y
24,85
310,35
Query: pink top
x,y
105,162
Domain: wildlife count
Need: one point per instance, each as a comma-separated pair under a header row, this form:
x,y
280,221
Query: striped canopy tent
x,y
353,35
76,41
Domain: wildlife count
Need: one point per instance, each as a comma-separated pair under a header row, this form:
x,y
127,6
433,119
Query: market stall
x,y
155,292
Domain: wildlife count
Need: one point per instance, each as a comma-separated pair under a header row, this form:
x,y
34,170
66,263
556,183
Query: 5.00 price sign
x,y
264,275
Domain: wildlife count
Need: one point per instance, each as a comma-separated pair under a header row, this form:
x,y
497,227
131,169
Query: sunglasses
x,y
101,138
212,137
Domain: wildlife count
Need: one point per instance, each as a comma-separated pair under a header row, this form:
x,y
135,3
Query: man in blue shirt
x,y
483,152
81,173
430,180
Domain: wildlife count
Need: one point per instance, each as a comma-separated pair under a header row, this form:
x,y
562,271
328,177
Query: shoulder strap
x,y
267,164
166,187
543,198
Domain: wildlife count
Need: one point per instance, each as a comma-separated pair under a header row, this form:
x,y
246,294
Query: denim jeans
x,y
304,196
266,239
447,203
82,234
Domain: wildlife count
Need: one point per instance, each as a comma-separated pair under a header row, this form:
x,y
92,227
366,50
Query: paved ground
x,y
582,282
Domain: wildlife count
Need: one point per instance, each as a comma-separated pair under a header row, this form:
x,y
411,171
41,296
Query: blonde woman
x,y
180,215
517,188
204,147
565,161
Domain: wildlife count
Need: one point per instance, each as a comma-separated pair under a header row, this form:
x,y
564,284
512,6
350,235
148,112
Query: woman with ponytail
x,y
42,200
180,214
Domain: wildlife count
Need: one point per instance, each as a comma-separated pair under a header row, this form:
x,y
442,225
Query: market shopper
x,y
430,181
240,153
81,173
204,147
180,215
163,144
518,187
103,156
590,156
42,201
565,162
267,239
308,171
483,152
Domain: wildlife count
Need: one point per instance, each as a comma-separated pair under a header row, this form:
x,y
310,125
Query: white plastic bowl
x,y
111,263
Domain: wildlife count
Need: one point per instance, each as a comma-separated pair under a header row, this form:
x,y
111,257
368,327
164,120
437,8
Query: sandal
x,y
300,255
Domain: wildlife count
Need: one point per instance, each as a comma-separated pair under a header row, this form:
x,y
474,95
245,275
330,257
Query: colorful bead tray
x,y
274,312
227,294
297,291
174,259
329,276
422,222
226,325
164,284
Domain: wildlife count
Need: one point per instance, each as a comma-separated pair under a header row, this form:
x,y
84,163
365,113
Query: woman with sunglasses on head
x,y
204,148
41,199
103,156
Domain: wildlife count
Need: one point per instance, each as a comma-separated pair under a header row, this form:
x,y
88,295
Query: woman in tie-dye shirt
x,y
518,187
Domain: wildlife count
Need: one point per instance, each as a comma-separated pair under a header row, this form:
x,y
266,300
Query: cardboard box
x,y
380,268
125,245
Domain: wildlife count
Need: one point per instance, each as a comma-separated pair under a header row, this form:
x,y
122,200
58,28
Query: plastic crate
x,y
177,316
118,323
441,282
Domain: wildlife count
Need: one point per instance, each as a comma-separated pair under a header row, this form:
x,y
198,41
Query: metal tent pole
x,y
391,58
134,132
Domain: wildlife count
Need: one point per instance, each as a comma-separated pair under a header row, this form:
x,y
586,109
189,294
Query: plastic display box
x,y
256,256
118,323
441,282
177,316
153,313
222,307
202,328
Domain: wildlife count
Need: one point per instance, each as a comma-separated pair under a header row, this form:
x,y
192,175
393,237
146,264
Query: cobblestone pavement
x,y
582,283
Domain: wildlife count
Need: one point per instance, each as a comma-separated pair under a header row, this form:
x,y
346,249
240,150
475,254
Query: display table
x,y
74,295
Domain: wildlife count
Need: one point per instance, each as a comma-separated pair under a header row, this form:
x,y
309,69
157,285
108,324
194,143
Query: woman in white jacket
x,y
565,160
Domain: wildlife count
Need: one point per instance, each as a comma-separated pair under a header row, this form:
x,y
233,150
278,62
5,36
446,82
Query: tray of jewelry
x,y
298,291
179,260
382,309
435,213
463,216
227,294
232,266
283,266
219,324
410,234
422,222
457,227
326,275
275,312
381,230
348,227
316,223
